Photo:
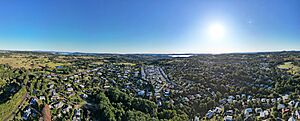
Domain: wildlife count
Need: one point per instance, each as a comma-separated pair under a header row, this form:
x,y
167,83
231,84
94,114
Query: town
x,y
60,86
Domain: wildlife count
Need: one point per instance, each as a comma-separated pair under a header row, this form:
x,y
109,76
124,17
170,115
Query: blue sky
x,y
150,26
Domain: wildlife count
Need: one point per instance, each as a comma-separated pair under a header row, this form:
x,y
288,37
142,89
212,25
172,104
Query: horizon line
x,y
145,53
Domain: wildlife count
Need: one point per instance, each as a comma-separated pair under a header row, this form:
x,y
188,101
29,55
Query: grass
x,y
286,65
127,64
7,108
290,67
28,62
98,62
2,82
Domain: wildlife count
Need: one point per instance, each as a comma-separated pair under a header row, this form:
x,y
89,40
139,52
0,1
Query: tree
x,y
136,116
167,114
106,109
274,112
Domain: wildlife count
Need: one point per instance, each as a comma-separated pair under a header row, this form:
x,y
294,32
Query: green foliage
x,y
143,105
105,107
116,105
136,116
167,114
7,108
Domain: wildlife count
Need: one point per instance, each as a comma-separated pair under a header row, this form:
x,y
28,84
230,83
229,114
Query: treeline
x,y
115,105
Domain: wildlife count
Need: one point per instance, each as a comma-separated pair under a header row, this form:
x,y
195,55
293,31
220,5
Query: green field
x,y
7,108
290,67
27,62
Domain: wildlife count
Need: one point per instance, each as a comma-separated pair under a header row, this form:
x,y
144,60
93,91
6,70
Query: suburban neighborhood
x,y
199,87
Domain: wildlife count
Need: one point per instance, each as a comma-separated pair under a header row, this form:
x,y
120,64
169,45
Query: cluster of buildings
x,y
67,95
283,105
162,86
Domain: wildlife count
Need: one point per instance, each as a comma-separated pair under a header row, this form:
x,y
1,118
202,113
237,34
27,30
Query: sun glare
x,y
216,31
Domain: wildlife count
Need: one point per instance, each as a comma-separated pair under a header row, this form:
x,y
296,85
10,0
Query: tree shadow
x,y
8,92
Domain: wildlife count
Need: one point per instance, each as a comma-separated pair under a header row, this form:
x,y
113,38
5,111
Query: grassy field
x,y
98,62
290,67
127,64
286,65
7,108
27,62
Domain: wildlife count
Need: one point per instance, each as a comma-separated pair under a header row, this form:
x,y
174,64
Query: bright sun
x,y
216,31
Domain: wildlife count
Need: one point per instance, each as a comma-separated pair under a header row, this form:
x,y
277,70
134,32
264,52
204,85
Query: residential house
x,y
209,114
280,106
228,118
248,112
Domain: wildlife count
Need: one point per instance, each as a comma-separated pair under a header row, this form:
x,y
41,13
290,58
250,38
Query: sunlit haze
x,y
216,31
